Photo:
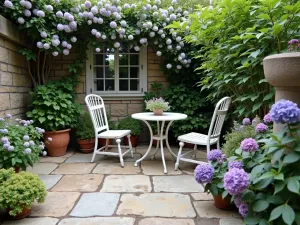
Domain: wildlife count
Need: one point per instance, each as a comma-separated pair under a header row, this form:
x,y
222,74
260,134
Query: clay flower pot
x,y
26,212
86,146
102,142
133,140
58,145
158,112
221,203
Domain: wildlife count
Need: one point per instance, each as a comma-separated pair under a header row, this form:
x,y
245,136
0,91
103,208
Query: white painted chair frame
x,y
212,138
97,112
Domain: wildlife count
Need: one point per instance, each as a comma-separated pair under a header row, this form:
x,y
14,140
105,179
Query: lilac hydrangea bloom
x,y
113,24
27,151
28,4
25,137
215,154
237,200
10,148
235,164
293,41
27,13
40,13
246,121
8,4
243,209
26,144
21,20
204,173
267,118
261,128
249,145
4,139
236,181
285,111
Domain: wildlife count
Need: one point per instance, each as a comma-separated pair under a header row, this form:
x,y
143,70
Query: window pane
x,y
134,60
134,72
124,50
134,85
109,85
123,85
98,72
98,85
123,72
109,72
98,59
110,60
123,59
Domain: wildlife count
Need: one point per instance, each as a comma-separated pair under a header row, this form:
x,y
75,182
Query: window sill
x,y
123,97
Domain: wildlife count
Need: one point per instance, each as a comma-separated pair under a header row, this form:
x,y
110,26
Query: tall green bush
x,y
234,37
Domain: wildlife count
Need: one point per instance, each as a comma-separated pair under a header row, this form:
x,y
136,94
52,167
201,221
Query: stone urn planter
x,y
283,72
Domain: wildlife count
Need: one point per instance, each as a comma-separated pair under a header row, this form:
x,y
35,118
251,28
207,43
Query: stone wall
x,y
15,82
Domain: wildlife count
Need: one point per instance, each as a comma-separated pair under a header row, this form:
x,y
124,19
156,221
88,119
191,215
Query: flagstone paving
x,y
84,193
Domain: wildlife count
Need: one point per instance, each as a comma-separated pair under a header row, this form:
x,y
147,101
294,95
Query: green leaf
x,y
291,158
263,222
268,96
276,29
274,199
277,212
267,175
297,218
279,177
213,189
224,194
256,106
248,195
279,187
288,214
42,119
293,185
255,54
260,205
250,220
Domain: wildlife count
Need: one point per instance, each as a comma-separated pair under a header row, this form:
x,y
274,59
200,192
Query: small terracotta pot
x,y
224,204
102,142
58,145
17,169
26,212
158,112
86,146
133,140
154,143
189,145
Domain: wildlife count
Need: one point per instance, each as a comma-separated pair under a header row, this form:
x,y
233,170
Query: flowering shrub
x,y
20,143
293,45
20,190
267,189
157,103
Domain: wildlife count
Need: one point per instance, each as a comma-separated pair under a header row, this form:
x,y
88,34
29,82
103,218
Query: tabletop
x,y
166,116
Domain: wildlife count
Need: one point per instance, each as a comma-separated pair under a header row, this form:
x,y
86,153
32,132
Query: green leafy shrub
x,y
20,190
54,107
130,124
84,127
20,143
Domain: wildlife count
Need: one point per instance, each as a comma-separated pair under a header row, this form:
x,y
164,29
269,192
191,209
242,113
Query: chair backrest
x,y
218,118
97,111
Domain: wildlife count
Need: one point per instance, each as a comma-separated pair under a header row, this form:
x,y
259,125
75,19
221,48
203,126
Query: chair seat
x,y
196,138
114,134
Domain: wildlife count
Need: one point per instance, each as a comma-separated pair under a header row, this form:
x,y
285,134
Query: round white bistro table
x,y
169,117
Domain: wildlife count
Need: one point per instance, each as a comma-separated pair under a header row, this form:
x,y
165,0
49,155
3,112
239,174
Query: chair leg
x,y
208,148
195,152
181,144
130,145
95,149
218,144
120,152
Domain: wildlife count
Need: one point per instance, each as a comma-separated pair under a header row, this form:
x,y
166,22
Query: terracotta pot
x,y
133,140
189,145
102,142
224,204
158,112
17,169
282,71
58,145
26,212
86,146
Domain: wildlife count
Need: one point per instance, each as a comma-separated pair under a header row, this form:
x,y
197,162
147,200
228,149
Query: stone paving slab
x,y
168,157
80,183
57,204
98,221
42,168
126,183
157,204
68,154
33,221
183,183
96,204
47,159
231,221
155,167
50,180
201,221
202,197
165,221
80,158
74,168
207,209
115,168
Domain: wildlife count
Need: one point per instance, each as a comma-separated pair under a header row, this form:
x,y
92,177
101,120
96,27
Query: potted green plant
x,y
20,143
19,191
55,110
85,133
157,105
131,124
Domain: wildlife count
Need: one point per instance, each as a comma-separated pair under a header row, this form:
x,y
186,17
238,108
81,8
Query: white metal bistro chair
x,y
213,136
97,112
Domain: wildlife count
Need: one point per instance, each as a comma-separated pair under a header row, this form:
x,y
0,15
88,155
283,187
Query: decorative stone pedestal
x,y
283,72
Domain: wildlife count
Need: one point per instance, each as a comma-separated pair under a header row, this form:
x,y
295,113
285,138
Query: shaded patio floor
x,y
84,193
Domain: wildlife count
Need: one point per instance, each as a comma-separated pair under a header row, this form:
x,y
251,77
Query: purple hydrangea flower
x,y
293,41
27,13
113,24
8,116
215,154
249,145
55,53
204,173
21,20
59,14
261,128
243,209
285,111
40,13
235,164
236,181
25,137
8,4
88,4
3,131
237,200
49,8
31,143
6,146
4,139
26,144
10,148
73,25
255,121
60,27
43,34
246,121
28,5
66,52
27,151
267,118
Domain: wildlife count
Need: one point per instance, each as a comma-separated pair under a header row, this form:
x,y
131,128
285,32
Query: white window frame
x,y
143,76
